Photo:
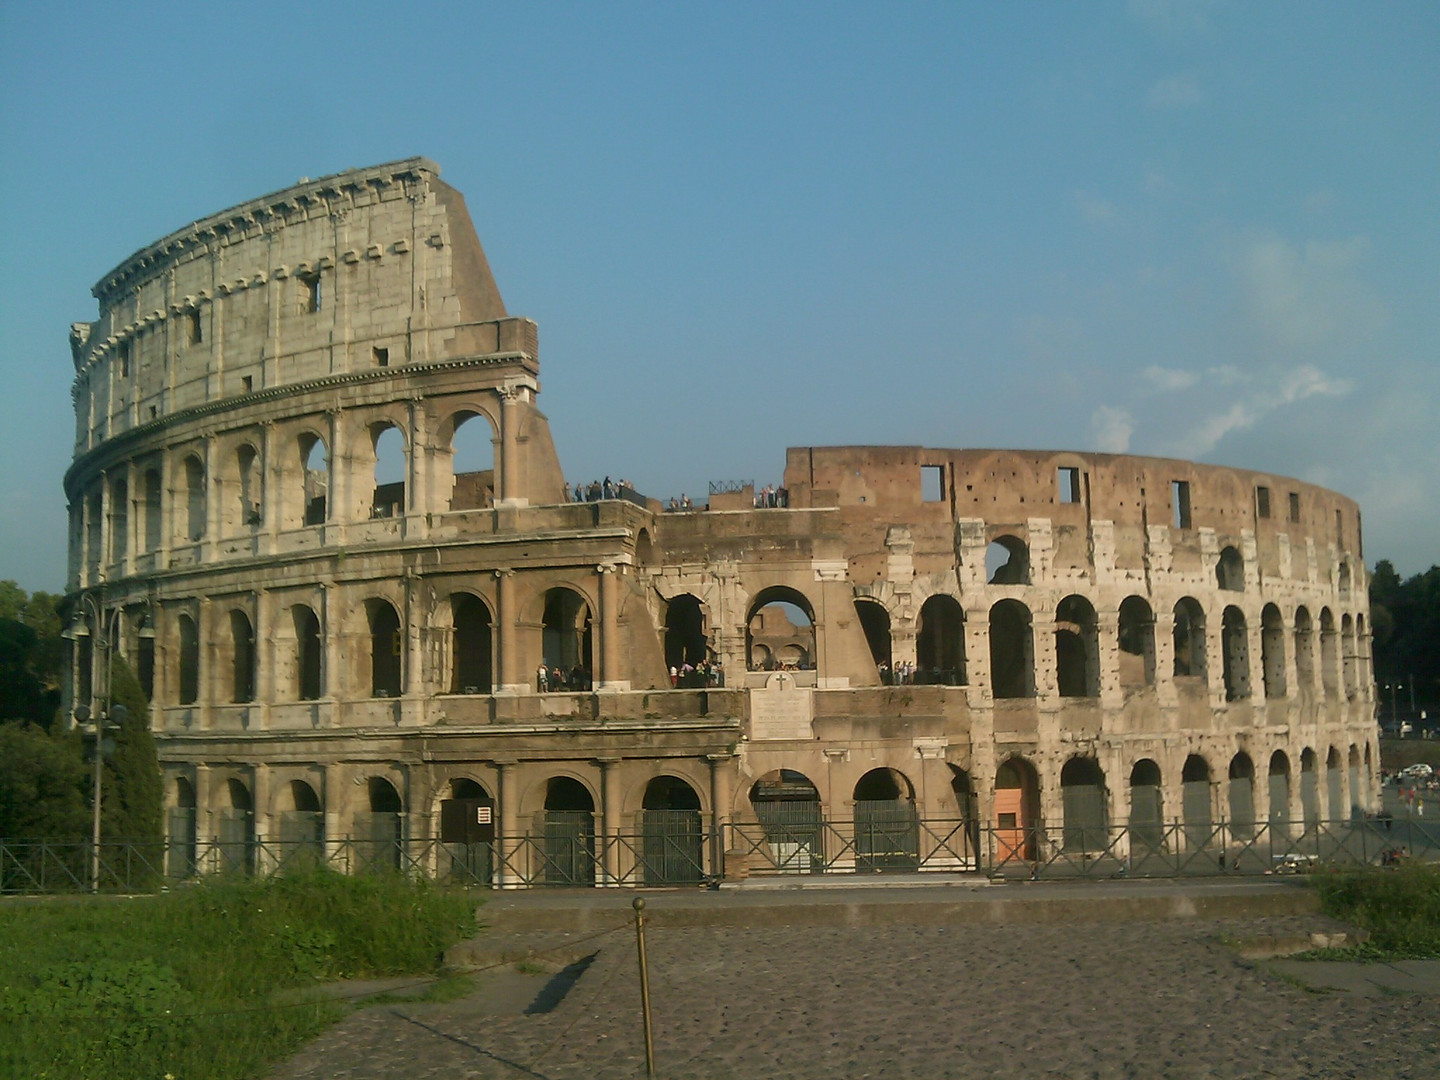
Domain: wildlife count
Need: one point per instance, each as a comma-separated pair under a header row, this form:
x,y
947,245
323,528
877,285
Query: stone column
x,y
610,650
721,780
330,804
204,823
264,656
338,511
167,511
610,821
132,520
205,677
509,462
212,504
272,489
102,563
512,679
506,848
260,785
331,630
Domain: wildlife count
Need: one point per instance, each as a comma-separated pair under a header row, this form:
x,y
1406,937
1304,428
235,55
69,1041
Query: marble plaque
x,y
781,710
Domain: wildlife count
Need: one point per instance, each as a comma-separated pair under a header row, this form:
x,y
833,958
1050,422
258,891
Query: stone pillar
x,y
1107,634
272,489
205,677
331,630
509,462
610,871
721,780
260,792
338,511
413,687
102,563
331,805
1165,693
167,511
610,650
1042,632
204,823
506,847
512,678
264,656
133,534
212,504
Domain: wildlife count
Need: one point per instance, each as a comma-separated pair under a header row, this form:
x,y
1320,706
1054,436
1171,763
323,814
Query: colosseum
x,y
316,505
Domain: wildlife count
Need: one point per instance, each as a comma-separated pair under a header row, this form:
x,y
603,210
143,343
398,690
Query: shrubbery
x,y
1399,907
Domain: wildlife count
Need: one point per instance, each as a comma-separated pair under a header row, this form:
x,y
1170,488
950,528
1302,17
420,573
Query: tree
x,y
1405,623
132,794
32,656
42,777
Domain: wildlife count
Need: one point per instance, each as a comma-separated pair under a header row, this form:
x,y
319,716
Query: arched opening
x,y
1334,790
887,831
1195,802
1240,796
194,478
1189,640
1357,792
685,642
1235,645
1017,810
1012,651
568,830
388,497
1363,673
308,653
119,521
787,805
1137,642
189,681
466,816
1347,655
1304,649
472,652
780,631
302,826
180,856
1085,804
247,488
1077,648
154,513
242,656
1309,789
1329,658
1272,651
644,548
940,645
386,648
1007,561
965,803
875,621
315,464
1147,808
382,829
671,837
235,825
1280,794
1342,580
1230,570
567,638
472,462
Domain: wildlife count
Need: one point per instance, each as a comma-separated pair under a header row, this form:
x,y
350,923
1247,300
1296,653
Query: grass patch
x,y
185,984
1400,907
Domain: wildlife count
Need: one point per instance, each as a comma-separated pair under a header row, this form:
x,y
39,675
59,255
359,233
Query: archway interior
x,y
1012,651
1007,561
1240,795
1230,571
1195,800
385,649
787,806
1235,647
389,496
875,621
472,645
1077,671
315,459
1137,642
1017,809
685,641
308,652
473,463
1083,798
1189,639
566,637
670,793
1147,812
565,794
780,632
940,644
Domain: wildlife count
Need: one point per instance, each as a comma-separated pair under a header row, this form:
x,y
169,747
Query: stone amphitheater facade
x,y
1088,632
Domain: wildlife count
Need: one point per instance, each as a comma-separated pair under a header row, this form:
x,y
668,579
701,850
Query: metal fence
x,y
673,848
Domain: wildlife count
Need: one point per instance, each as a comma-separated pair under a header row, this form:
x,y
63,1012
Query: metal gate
x,y
471,864
567,847
887,835
795,834
235,836
180,854
670,847
381,844
302,838
1084,823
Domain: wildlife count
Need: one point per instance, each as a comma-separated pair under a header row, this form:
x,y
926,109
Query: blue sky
x,y
1206,230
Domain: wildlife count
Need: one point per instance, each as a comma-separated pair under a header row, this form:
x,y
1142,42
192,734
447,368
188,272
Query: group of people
x,y
682,503
596,490
557,678
772,497
907,673
697,676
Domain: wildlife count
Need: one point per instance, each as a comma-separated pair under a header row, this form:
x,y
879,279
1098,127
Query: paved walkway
x,y
773,989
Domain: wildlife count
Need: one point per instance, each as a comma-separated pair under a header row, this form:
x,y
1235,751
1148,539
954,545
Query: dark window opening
x,y
472,463
1262,502
1189,639
1007,561
125,359
932,483
197,328
1235,645
1230,570
247,384
1012,651
381,356
1084,801
1272,651
1069,483
1137,642
189,661
242,644
472,663
940,645
1241,796
308,654
1180,503
685,642
1295,506
311,296
388,499
780,632
875,621
386,648
316,463
567,639
1077,649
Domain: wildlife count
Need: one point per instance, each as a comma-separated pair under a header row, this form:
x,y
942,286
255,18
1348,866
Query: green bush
x,y
1399,907
202,982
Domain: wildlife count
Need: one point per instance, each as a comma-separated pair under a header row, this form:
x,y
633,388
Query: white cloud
x,y
1168,379
1305,296
1111,428
1175,92
1173,17
1094,209
1263,396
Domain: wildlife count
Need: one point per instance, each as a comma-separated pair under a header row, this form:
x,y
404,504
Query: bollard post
x,y
639,906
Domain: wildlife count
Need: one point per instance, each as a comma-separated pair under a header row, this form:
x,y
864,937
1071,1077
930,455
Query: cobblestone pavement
x,y
1099,1001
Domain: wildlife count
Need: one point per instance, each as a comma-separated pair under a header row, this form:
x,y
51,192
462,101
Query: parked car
x,y
1419,771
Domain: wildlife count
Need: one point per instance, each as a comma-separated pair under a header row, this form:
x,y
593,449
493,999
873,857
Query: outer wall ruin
x,y
323,636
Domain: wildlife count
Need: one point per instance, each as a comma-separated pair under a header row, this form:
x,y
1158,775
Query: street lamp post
x,y
106,717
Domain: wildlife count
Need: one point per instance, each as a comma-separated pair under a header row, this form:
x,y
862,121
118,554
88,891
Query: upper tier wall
x,y
369,268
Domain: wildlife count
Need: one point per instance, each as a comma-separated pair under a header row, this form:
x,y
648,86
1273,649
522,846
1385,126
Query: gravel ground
x,y
1144,1000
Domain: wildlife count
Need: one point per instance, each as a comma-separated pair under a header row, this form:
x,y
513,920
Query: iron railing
x,y
673,848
